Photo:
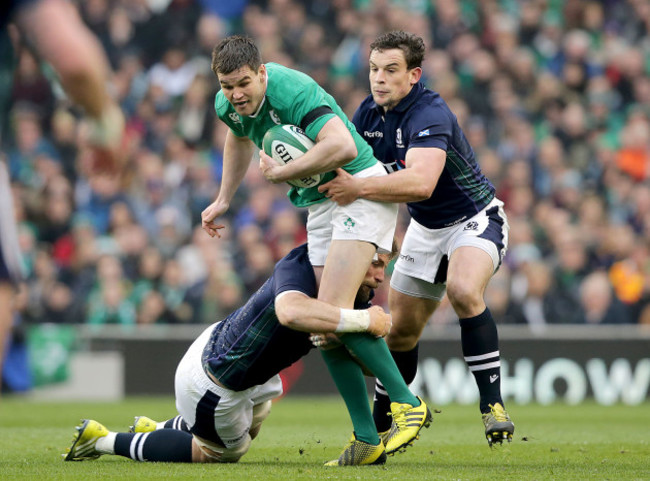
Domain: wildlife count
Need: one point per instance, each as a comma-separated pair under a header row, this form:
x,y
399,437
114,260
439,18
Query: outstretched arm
x,y
60,37
237,155
302,313
414,183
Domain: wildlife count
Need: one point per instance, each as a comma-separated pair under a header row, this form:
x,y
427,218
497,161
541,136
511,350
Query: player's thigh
x,y
477,250
345,268
470,270
260,412
237,419
361,221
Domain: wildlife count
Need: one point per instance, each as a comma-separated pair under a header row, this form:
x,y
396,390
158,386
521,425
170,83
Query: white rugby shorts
x,y
216,414
421,269
362,220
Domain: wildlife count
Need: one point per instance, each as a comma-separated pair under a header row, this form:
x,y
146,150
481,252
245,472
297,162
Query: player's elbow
x,y
422,192
349,150
288,315
343,150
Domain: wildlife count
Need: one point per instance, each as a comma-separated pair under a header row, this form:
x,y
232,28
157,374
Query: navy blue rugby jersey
x,y
250,345
423,119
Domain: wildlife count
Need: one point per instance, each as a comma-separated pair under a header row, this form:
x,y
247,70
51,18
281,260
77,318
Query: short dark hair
x,y
412,46
233,52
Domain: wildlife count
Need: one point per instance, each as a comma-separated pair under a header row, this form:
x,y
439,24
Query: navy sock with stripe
x,y
168,445
480,342
177,423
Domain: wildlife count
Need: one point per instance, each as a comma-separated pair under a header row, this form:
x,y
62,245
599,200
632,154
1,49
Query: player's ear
x,y
415,74
262,72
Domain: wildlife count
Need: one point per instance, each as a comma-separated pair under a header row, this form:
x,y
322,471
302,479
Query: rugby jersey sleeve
x,y
430,127
310,109
295,273
227,115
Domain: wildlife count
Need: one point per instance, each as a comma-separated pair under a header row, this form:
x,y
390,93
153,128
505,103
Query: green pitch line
x,y
550,442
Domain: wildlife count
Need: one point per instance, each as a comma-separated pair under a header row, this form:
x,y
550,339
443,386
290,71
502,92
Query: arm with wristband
x,y
298,311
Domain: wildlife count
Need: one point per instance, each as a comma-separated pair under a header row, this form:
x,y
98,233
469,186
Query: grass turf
x,y
551,442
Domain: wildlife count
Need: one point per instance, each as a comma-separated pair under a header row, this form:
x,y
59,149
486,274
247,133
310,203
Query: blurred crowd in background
x,y
553,95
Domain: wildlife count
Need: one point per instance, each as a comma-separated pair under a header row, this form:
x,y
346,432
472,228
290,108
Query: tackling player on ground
x,y
342,240
458,232
226,380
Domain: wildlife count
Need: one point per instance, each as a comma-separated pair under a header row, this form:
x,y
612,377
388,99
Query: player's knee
x,y
260,413
401,339
209,452
463,297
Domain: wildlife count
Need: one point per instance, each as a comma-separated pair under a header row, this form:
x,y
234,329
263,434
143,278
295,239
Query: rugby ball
x,y
286,143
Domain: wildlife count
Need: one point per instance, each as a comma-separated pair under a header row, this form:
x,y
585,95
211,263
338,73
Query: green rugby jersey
x,y
293,97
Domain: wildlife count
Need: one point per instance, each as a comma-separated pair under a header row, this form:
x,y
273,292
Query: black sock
x,y
407,363
480,342
177,423
168,445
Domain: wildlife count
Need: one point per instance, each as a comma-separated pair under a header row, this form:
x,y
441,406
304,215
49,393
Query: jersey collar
x,y
259,109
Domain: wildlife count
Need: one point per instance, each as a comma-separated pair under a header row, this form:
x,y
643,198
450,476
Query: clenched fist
x,y
380,321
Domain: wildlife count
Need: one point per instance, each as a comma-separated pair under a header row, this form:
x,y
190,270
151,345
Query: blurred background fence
x,y
565,364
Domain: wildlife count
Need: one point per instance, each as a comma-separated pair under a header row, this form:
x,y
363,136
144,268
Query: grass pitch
x,y
586,442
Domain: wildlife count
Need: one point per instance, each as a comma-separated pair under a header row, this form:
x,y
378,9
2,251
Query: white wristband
x,y
353,321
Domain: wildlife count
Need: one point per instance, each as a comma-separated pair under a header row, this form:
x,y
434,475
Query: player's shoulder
x,y
296,257
430,106
367,105
285,84
295,272
221,104
280,71
366,111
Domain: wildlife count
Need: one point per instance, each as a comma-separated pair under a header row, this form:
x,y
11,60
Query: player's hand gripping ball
x,y
286,143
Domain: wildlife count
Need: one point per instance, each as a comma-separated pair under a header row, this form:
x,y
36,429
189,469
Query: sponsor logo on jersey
x,y
407,258
374,134
398,139
274,117
473,225
235,117
423,133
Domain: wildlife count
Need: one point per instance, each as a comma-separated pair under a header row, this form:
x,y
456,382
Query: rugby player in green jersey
x,y
342,240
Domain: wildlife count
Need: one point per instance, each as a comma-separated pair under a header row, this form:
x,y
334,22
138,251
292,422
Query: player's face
x,y
390,80
244,88
374,277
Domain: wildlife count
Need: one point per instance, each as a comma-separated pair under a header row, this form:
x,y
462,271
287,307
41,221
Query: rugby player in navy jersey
x,y
226,380
458,232
57,35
